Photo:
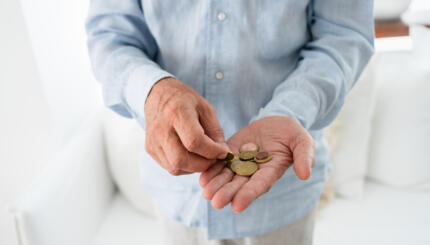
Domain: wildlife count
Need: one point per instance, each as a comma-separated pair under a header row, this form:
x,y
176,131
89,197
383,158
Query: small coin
x,y
263,157
230,156
250,146
247,155
234,164
245,168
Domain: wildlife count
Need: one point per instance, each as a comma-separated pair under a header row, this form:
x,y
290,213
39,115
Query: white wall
x,y
57,32
46,91
24,116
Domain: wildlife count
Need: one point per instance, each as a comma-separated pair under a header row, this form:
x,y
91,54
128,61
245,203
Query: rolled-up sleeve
x,y
122,52
340,46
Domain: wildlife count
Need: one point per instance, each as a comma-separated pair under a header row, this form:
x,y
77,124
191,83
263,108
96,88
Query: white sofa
x,y
77,201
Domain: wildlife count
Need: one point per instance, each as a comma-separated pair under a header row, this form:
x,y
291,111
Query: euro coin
x,y
250,146
229,157
245,168
234,164
247,155
263,157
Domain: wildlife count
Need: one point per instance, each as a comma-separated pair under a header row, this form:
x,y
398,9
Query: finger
x,y
155,151
180,159
303,157
210,123
226,193
258,184
162,160
217,182
193,136
210,173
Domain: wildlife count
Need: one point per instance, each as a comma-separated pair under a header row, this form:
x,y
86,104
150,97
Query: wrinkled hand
x,y
289,144
182,130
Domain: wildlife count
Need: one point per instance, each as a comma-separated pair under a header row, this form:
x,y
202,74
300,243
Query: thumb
x,y
304,157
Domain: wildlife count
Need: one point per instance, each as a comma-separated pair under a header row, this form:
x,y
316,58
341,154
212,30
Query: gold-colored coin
x,y
263,157
250,146
230,156
235,158
245,168
247,155
234,164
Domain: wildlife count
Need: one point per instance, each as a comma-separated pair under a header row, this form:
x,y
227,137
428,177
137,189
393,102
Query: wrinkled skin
x,y
182,130
285,138
184,136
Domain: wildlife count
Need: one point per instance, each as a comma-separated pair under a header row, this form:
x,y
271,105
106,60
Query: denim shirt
x,y
250,59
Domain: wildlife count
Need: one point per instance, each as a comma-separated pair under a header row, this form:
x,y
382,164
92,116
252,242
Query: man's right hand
x,y
182,130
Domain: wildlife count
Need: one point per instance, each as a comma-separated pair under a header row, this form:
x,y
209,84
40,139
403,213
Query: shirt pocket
x,y
281,27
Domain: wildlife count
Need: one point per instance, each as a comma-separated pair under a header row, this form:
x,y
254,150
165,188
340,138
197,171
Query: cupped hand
x,y
182,130
289,144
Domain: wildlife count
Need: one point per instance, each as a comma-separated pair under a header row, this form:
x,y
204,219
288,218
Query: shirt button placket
x,y
221,17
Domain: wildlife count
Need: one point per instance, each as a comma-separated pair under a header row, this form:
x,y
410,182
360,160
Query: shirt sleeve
x,y
340,46
122,52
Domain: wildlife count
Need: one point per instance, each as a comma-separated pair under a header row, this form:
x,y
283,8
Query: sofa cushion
x,y
123,224
384,215
400,142
124,142
348,137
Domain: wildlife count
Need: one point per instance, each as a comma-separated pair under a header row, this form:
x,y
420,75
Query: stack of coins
x,y
246,163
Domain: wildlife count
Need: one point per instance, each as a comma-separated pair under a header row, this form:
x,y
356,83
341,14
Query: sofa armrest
x,y
69,200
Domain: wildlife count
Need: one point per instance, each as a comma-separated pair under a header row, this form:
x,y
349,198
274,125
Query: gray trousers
x,y
298,233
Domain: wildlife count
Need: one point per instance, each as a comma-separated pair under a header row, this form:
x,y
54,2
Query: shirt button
x,y
221,16
219,75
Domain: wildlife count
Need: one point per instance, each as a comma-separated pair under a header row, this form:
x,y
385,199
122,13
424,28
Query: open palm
x,y
289,144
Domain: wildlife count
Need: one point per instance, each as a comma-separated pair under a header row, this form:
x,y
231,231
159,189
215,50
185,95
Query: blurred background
x,y
68,172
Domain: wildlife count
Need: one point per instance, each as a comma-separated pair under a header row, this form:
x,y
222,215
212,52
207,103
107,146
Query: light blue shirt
x,y
249,59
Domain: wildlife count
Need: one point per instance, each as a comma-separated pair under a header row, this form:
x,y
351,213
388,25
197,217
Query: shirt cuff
x,y
294,104
138,87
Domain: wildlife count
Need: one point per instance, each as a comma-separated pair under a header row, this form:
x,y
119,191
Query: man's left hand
x,y
284,138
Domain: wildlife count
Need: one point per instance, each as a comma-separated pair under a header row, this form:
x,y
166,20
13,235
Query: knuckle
x,y
148,148
303,140
217,131
155,129
174,171
265,187
175,108
194,143
252,194
211,109
171,107
177,163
